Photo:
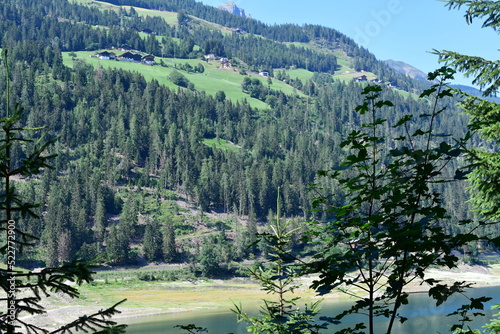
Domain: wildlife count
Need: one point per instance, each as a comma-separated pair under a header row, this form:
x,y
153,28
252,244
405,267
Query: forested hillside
x,y
135,156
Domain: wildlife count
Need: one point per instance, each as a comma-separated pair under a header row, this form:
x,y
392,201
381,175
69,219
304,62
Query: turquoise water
x,y
423,316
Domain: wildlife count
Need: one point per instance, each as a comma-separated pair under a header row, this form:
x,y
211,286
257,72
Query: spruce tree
x,y
169,248
100,220
152,241
129,218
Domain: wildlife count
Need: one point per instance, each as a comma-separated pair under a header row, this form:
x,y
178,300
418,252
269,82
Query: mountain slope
x,y
476,92
402,67
132,141
330,42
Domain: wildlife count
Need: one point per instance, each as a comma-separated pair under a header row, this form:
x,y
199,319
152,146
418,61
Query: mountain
x,y
476,92
415,73
407,69
143,144
231,7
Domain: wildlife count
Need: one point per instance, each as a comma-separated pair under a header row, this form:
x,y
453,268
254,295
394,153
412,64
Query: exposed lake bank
x,y
157,297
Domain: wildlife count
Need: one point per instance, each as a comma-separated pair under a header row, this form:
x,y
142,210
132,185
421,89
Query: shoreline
x,y
158,299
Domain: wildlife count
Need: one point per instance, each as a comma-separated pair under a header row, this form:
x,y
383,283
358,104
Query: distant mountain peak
x,y
407,69
231,7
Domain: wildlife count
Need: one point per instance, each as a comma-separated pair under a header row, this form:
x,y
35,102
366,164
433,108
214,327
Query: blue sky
x,y
391,29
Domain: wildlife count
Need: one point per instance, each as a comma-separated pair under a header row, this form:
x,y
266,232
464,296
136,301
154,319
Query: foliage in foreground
x,y
278,278
389,227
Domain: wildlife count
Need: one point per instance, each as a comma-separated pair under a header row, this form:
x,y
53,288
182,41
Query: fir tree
x,y
152,241
169,248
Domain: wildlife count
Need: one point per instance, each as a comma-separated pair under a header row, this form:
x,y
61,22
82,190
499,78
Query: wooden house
x,y
361,78
225,63
104,55
127,56
149,59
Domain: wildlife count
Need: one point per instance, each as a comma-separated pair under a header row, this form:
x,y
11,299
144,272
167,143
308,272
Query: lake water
x,y
423,316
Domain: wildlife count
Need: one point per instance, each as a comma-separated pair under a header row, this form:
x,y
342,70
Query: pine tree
x,y
278,278
129,219
118,245
152,241
169,248
99,220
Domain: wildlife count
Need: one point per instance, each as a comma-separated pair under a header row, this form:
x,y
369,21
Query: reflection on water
x,y
423,316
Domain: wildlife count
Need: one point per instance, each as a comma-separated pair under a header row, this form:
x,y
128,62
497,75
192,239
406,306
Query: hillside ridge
x,y
407,69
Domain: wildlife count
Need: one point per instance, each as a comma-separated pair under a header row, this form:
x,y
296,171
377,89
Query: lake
x,y
423,316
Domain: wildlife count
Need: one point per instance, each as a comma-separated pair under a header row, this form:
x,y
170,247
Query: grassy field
x,y
169,17
344,66
192,293
214,79
221,144
211,81
351,76
301,74
185,293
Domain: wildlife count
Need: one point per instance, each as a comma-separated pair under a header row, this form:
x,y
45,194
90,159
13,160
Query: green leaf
x,y
381,104
405,119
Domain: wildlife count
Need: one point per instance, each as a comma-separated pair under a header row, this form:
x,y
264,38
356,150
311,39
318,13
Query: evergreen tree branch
x,y
485,73
92,322
488,10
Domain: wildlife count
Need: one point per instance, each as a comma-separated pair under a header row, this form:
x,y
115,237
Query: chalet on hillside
x,y
210,56
361,78
225,63
264,73
137,57
149,59
127,56
237,30
104,55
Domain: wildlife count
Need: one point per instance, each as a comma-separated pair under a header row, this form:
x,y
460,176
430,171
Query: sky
x,y
404,30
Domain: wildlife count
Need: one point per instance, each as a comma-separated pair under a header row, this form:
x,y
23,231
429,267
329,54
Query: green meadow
x,y
214,79
221,144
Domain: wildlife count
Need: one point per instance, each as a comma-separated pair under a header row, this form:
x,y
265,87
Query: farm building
x,y
361,78
149,59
